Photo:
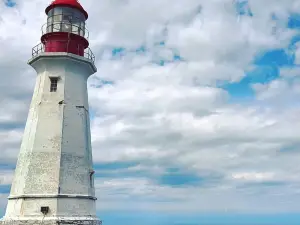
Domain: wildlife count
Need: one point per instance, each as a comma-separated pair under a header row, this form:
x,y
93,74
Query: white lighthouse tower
x,y
54,177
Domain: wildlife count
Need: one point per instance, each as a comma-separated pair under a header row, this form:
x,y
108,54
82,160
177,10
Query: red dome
x,y
70,3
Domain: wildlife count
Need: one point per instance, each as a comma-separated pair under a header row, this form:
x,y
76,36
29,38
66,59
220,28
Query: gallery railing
x,y
64,46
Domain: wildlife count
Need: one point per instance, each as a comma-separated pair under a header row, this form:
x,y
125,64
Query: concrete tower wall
x,y
55,163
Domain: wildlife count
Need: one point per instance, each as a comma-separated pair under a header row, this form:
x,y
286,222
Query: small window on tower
x,y
53,85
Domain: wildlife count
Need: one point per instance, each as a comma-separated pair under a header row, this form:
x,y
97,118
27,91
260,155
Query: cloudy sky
x,y
194,107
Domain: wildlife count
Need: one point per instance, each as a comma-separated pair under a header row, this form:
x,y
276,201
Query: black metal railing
x,y
36,50
64,47
89,54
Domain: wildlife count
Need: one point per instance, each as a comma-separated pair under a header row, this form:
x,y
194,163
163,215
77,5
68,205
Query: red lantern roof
x,y
69,3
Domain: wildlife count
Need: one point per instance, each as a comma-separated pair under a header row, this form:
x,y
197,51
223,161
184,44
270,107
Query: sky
x,y
194,108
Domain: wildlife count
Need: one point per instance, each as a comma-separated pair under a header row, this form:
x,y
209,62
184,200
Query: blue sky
x,y
10,3
193,109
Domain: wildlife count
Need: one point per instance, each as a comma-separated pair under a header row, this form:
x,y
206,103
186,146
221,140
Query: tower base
x,y
51,221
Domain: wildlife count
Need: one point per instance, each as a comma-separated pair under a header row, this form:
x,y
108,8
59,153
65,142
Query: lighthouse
x,y
54,177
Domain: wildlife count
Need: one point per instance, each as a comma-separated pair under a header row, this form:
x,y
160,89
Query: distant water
x,y
150,218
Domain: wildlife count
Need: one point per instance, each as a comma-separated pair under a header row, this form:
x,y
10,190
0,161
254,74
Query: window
x,y
57,23
66,27
53,85
82,29
67,18
51,12
50,24
58,10
76,27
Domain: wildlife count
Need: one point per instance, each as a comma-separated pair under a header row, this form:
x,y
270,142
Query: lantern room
x,y
65,30
65,19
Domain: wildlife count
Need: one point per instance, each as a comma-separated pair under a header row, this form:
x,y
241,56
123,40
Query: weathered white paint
x,y
55,161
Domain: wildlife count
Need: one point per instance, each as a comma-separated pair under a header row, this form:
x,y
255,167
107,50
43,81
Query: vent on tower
x,y
44,209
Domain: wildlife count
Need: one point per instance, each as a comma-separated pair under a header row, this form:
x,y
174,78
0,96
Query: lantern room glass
x,y
65,19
